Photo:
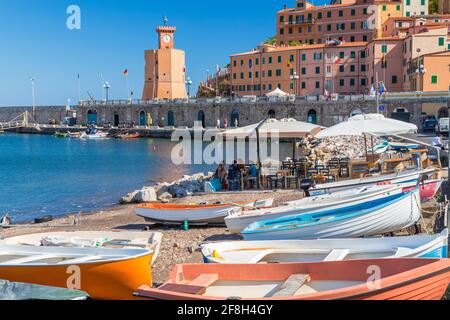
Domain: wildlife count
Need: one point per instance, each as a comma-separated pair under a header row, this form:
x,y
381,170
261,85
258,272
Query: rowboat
x,y
398,279
385,215
61,134
193,213
404,177
26,291
129,136
99,135
281,251
108,274
428,189
92,239
240,218
75,134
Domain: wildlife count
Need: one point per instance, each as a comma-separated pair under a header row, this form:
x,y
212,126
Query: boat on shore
x,y
406,178
105,274
16,291
240,218
92,239
193,213
285,251
401,279
385,215
428,188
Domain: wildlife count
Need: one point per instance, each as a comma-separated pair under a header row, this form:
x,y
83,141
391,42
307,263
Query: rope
x,y
422,220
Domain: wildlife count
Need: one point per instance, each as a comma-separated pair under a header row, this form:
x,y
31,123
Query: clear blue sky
x,y
113,37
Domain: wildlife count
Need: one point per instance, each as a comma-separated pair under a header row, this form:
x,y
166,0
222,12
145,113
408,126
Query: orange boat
x,y
105,274
129,136
384,279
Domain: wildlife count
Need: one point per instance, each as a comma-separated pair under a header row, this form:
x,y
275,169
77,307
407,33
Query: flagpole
x,y
128,87
377,91
79,89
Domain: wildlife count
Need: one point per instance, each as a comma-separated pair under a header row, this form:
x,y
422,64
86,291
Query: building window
x,y
394,79
398,7
341,13
384,48
281,19
291,31
341,55
434,79
270,60
303,85
353,12
234,76
279,59
303,56
408,2
329,14
242,63
303,70
317,84
353,54
363,54
363,82
328,27
352,68
250,75
408,14
365,11
352,25
256,74
441,42
422,2
319,15
341,82
352,82
278,72
365,38
257,61
363,68
264,60
242,75
291,58
281,31
352,39
317,70
234,63
264,74
270,87
341,68
384,8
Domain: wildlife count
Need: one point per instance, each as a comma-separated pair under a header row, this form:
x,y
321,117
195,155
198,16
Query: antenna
x,y
165,20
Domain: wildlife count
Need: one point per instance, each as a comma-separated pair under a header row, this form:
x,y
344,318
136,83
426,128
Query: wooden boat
x,y
75,134
405,177
428,189
61,134
281,251
400,279
385,215
25,291
401,145
99,135
240,218
193,213
92,239
129,136
109,274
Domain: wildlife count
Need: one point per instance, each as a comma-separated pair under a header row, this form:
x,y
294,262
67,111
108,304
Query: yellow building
x,y
387,10
165,71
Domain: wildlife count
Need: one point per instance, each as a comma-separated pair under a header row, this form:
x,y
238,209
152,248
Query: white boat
x,y
99,135
193,213
240,218
386,215
92,239
286,251
404,177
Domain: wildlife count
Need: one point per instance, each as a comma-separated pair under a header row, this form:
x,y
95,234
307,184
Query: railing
x,y
442,95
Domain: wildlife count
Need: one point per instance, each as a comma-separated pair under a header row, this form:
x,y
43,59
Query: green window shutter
x,y
441,41
408,14
434,79
384,48
398,7
353,54
408,2
384,8
303,57
341,55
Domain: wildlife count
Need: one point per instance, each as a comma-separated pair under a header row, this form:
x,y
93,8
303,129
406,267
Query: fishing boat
x,y
61,134
240,218
400,279
384,215
193,213
129,136
404,177
76,135
428,189
284,251
109,274
16,291
92,239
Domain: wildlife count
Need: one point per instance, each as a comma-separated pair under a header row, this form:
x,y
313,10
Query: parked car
x,y
430,124
443,125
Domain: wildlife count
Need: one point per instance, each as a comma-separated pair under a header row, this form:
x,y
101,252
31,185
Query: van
x,y
443,125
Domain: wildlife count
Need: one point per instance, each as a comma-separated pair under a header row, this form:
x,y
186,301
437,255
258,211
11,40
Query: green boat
x,y
27,291
61,134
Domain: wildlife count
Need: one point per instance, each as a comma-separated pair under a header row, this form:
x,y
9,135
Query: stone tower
x,y
165,71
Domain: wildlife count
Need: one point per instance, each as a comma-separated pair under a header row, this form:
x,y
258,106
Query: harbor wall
x,y
43,114
323,113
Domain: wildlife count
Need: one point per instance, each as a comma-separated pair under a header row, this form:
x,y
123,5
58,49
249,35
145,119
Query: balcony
x,y
299,22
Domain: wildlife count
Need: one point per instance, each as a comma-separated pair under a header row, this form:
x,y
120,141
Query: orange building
x,y
349,20
431,72
165,69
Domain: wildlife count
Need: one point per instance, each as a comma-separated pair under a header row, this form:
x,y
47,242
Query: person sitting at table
x,y
254,175
234,177
437,142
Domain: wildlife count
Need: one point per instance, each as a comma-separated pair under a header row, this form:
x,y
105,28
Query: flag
x,y
382,88
373,92
336,59
289,64
125,73
326,93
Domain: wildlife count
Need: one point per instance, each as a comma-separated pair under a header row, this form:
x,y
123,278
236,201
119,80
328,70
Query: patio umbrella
x,y
284,128
277,93
372,124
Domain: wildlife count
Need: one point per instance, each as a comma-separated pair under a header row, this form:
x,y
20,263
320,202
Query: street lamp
x,y
106,86
188,85
420,71
294,79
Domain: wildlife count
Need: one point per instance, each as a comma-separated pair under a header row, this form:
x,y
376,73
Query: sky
x,y
113,37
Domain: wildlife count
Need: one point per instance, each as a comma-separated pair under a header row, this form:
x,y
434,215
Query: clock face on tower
x,y
167,38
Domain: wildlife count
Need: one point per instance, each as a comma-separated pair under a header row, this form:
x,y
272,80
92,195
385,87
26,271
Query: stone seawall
x,y
184,115
42,114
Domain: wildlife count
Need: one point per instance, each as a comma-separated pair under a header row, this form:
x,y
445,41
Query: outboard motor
x,y
307,184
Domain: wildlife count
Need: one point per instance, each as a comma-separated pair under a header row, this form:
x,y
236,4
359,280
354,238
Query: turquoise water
x,y
43,175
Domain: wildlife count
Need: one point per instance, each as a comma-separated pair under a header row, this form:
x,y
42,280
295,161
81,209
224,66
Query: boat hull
x,y
400,279
395,215
287,251
238,221
428,189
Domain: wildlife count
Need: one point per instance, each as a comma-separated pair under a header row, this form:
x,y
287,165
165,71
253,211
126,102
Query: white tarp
x,y
374,124
277,93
